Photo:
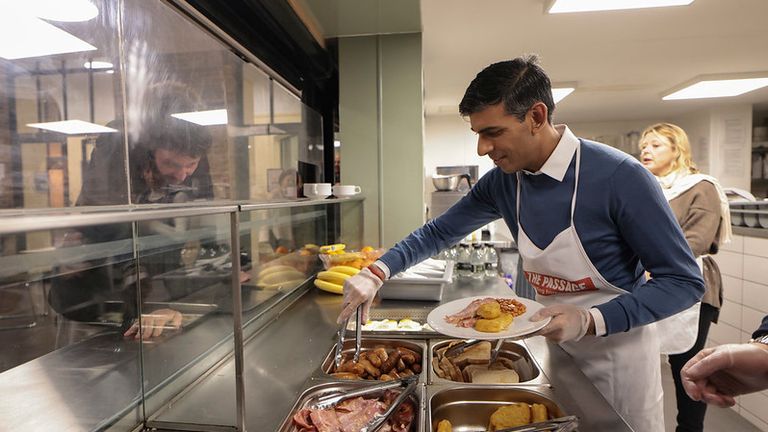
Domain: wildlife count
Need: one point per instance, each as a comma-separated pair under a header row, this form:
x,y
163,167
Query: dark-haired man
x,y
167,164
584,216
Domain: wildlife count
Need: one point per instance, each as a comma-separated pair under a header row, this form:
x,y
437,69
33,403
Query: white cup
x,y
317,190
341,191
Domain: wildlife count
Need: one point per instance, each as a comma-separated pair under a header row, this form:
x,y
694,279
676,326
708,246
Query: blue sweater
x,y
621,217
763,329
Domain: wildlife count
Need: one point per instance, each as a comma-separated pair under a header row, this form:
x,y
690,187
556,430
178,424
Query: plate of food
x,y
485,317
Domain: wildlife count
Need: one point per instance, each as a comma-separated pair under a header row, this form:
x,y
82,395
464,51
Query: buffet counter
x,y
284,359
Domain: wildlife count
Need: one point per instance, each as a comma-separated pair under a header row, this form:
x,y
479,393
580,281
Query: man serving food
x,y
584,216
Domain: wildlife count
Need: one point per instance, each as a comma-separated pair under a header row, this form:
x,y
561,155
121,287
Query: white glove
x,y
359,289
568,323
716,375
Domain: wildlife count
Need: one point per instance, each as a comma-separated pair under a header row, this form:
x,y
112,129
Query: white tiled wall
x,y
744,265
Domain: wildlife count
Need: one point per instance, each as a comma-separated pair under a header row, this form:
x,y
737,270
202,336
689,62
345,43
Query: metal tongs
x,y
463,346
342,332
560,424
410,383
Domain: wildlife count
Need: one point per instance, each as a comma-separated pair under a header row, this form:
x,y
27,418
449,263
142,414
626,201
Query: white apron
x,y
678,333
624,367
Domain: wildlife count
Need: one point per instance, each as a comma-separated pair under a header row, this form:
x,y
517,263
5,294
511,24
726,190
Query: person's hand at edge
x,y
360,289
716,375
153,324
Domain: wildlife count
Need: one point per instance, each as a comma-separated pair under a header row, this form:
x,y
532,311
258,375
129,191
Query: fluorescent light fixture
x,y
204,118
63,10
713,86
73,127
559,93
24,36
566,6
98,65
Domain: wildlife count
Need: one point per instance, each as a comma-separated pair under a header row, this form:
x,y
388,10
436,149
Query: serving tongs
x,y
331,400
410,383
560,424
342,332
463,346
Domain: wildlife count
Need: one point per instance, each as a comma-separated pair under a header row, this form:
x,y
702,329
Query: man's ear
x,y
538,117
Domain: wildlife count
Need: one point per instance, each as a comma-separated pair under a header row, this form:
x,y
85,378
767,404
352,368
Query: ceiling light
x,y
26,36
63,10
204,118
560,93
565,6
718,86
73,127
98,65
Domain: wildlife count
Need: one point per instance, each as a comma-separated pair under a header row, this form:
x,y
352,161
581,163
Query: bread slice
x,y
476,354
495,377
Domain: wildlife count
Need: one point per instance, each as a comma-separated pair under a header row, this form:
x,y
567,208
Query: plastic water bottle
x,y
477,261
463,265
491,261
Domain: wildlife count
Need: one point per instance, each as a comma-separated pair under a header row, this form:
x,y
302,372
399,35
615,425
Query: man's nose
x,y
484,146
181,174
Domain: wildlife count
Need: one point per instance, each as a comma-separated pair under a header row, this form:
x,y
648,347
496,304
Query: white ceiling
x,y
621,61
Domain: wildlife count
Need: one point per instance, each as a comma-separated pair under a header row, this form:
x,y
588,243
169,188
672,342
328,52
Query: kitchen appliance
x,y
450,182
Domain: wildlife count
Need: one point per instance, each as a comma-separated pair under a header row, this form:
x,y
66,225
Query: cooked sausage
x,y
406,372
390,362
345,375
405,351
416,367
372,371
400,364
386,377
374,359
382,353
351,366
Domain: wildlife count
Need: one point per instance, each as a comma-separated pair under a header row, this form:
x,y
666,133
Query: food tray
x,y
397,314
526,367
427,289
329,388
367,344
469,407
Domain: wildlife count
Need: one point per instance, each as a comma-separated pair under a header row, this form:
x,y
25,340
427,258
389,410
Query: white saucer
x,y
315,197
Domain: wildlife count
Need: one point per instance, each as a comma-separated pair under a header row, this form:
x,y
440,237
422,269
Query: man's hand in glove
x,y
716,375
153,324
360,289
568,323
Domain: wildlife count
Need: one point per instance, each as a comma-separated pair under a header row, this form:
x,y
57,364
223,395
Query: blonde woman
x,y
701,209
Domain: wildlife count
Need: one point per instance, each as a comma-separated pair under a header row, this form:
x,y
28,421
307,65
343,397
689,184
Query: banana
x,y
338,247
274,269
344,269
280,277
280,285
328,286
332,276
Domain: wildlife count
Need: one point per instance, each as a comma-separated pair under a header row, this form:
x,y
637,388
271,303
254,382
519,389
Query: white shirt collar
x,y
558,162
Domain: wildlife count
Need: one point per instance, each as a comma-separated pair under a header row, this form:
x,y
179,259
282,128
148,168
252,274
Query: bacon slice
x,y
467,312
325,421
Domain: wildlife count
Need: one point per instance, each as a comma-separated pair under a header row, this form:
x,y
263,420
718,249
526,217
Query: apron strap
x,y
576,183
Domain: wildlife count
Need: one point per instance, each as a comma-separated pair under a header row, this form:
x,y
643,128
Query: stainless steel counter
x,y
194,369
281,360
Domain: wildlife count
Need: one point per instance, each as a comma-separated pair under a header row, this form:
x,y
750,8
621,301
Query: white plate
x,y
521,326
